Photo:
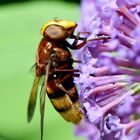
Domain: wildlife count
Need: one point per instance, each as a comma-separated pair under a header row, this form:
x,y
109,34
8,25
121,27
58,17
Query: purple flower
x,y
122,130
109,82
90,131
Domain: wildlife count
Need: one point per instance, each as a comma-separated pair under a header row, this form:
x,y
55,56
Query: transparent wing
x,y
32,99
42,110
42,99
32,70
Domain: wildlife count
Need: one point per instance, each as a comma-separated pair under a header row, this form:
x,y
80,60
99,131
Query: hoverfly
x,y
54,61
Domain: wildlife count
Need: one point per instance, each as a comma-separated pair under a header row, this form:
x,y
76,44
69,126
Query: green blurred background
x,y
20,25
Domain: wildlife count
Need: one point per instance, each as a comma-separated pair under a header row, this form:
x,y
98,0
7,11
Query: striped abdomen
x,y
65,103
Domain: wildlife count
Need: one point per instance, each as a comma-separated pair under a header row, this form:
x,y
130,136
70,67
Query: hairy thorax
x,y
57,53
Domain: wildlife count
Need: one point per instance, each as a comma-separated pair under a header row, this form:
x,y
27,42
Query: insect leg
x,y
67,64
62,88
71,93
64,78
59,83
77,37
76,75
74,45
102,37
66,70
77,61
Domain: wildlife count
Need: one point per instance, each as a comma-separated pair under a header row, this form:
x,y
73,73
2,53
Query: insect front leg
x,y
76,39
84,40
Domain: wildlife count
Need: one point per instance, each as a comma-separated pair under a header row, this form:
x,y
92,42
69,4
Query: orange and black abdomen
x,y
64,101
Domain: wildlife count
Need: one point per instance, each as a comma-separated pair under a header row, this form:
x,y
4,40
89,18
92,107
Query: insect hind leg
x,y
69,89
59,83
62,88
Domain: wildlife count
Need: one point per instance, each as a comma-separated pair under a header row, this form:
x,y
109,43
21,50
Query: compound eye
x,y
55,32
